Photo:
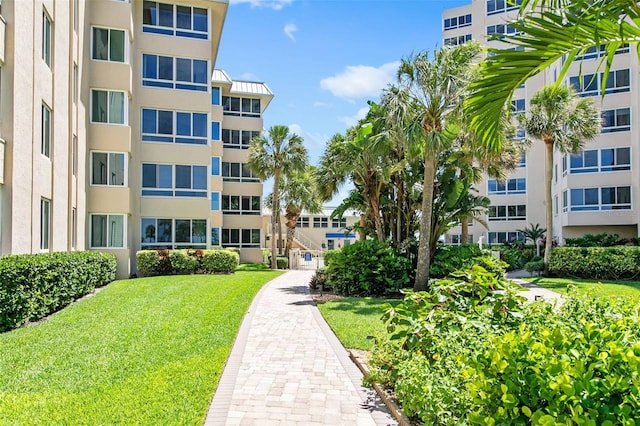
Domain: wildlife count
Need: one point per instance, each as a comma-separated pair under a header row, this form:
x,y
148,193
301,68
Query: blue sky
x,y
324,59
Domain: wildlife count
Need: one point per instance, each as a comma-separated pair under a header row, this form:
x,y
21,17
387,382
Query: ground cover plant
x,y
356,320
470,352
144,351
589,287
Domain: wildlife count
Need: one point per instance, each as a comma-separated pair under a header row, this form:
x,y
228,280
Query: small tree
x,y
535,234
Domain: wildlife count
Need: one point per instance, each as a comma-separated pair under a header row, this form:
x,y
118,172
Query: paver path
x,y
288,368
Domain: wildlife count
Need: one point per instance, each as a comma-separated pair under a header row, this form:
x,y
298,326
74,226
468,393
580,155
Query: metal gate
x,y
306,259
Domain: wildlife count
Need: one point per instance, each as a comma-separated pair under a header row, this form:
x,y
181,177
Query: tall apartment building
x,y
117,132
593,191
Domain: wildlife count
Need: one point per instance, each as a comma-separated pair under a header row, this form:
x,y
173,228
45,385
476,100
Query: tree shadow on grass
x,y
363,306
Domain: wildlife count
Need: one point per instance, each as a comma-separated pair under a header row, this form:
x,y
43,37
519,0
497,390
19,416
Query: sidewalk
x,y
534,292
288,368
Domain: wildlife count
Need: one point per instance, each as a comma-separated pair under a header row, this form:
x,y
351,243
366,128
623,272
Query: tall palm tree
x,y
547,30
563,121
299,193
277,154
429,98
534,233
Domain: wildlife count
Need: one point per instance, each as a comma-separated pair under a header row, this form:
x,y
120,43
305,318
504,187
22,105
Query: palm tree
x,y
430,98
534,233
299,193
563,121
276,155
548,30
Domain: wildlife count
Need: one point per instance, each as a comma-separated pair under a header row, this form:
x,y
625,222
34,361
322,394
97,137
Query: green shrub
x,y
534,266
598,240
183,262
319,280
448,259
328,255
602,263
35,285
219,261
367,268
282,263
148,262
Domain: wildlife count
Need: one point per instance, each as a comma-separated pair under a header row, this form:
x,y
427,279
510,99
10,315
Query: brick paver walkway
x,y
288,368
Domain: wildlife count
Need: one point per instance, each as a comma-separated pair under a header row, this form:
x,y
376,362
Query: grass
x,y
599,288
352,319
258,266
148,351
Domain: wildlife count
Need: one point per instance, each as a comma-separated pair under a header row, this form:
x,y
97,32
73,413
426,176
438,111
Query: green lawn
x,y
600,288
148,351
352,319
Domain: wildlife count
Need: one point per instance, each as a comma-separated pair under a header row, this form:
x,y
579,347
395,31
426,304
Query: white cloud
x,y
353,120
272,4
359,81
321,105
289,29
247,76
315,142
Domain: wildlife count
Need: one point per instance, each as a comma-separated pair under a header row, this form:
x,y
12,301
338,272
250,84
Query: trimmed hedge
x,y
167,262
601,263
33,286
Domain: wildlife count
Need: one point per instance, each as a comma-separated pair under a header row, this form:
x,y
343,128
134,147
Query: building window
x,y
320,222
508,213
215,96
108,168
242,238
457,41
107,231
238,139
241,204
521,134
45,223
215,130
245,107
108,44
108,106
339,223
174,126
499,6
589,199
602,160
173,233
510,187
47,39
215,166
505,237
238,172
555,205
76,12
175,73
592,84
178,20
74,228
518,106
74,83
166,180
74,155
457,22
215,236
522,162
616,120
215,201
302,222
45,144
501,30
597,52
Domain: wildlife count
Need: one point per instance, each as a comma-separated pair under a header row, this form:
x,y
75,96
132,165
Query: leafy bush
x,y
516,255
219,261
319,280
602,263
469,352
34,285
183,262
367,268
449,258
598,240
534,266
282,262
165,262
328,255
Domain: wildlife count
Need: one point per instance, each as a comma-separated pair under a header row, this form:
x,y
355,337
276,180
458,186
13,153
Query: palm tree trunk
x,y
424,249
549,209
275,212
375,212
280,234
464,230
362,235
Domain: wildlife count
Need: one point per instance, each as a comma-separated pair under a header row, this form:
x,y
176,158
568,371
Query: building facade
x,y
118,133
594,191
